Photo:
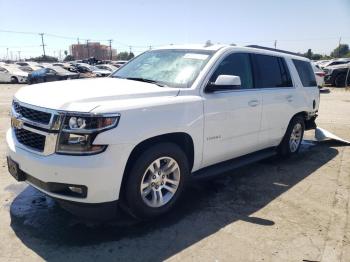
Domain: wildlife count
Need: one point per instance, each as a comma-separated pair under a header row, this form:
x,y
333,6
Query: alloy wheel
x,y
160,182
295,137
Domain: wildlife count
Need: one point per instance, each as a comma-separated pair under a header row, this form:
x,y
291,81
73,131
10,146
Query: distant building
x,y
93,49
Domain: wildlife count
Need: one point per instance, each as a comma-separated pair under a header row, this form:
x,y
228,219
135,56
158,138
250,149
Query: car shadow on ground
x,y
206,207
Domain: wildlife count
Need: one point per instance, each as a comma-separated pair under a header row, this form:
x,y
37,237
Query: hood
x,y
84,95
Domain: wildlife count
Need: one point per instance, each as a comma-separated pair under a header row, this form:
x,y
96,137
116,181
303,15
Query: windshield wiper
x,y
145,80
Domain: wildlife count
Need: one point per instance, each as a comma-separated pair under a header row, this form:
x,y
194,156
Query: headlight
x,y
78,133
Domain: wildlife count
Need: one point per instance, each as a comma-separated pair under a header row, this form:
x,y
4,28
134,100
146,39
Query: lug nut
x,y
162,183
163,176
156,187
159,172
152,184
154,177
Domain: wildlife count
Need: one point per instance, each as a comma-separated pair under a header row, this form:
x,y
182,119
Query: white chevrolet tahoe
x,y
168,116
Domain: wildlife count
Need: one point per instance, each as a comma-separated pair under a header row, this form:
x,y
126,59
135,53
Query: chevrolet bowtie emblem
x,y
16,122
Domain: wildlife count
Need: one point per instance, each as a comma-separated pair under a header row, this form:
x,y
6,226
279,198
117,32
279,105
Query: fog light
x,y
77,190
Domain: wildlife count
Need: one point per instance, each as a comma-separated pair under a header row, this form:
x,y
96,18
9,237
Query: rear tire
x,y
156,180
293,137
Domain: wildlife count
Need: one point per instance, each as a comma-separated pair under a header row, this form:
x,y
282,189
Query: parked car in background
x,y
319,74
336,75
12,74
49,74
85,68
339,61
66,66
110,68
27,63
119,63
29,69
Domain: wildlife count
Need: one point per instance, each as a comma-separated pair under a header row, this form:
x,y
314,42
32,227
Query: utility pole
x,y
275,44
11,55
19,55
130,49
339,47
150,47
78,41
7,53
42,41
88,50
110,49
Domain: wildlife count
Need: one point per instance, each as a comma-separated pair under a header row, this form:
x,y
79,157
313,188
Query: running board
x,y
229,165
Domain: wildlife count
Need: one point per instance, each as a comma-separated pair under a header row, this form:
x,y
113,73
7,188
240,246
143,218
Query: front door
x,y
232,117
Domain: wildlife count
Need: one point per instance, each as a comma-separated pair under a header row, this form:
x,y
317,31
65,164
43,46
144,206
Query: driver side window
x,y
237,64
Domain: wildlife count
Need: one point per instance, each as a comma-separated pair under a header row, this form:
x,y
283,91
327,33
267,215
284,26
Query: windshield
x,y
174,68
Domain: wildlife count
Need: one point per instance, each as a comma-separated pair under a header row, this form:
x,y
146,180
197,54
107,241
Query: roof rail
x,y
273,49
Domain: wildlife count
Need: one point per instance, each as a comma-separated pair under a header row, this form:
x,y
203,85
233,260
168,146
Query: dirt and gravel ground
x,y
274,210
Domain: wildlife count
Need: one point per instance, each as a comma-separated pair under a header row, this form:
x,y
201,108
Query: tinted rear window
x,y
271,71
306,74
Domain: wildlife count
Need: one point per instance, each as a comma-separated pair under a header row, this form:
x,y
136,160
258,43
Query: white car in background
x,y
30,69
12,74
29,63
319,74
338,61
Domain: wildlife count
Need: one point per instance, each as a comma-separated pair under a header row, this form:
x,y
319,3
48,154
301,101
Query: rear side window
x,y
271,71
237,64
306,74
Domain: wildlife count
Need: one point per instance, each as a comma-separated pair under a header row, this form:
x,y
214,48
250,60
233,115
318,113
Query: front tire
x,y
14,80
293,137
156,180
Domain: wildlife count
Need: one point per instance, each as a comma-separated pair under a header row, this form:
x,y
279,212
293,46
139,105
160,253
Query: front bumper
x,y
101,174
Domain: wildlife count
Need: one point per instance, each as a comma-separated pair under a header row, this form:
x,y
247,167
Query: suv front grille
x,y
30,139
32,114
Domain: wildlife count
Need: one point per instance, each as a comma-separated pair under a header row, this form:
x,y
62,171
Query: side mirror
x,y
224,82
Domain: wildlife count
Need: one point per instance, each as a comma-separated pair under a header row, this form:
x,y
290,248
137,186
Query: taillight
x,y
321,74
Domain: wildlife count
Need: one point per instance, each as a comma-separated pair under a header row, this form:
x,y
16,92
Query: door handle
x,y
253,103
289,98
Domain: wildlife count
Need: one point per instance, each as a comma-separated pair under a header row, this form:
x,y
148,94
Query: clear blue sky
x,y
295,24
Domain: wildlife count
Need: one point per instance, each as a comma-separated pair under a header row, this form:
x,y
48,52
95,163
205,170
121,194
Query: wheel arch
x,y
182,139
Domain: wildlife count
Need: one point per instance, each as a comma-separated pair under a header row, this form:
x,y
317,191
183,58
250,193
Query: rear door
x,y
279,97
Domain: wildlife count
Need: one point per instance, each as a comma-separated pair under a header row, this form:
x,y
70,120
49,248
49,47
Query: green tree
x,y
65,53
68,58
341,51
123,56
316,57
308,54
44,59
208,43
131,56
